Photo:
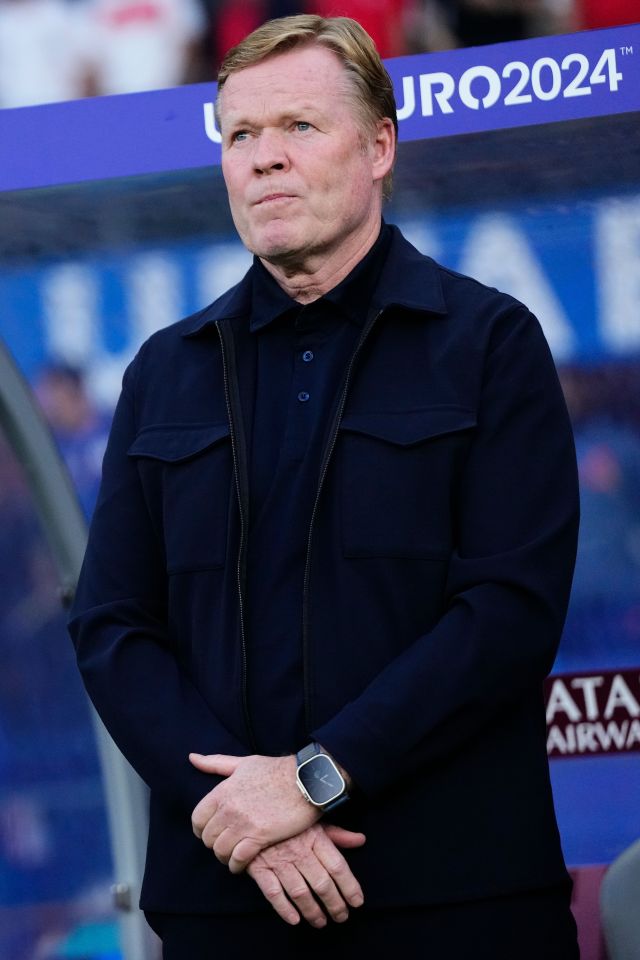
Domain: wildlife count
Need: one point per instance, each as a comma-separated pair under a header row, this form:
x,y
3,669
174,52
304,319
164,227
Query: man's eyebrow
x,y
304,111
292,113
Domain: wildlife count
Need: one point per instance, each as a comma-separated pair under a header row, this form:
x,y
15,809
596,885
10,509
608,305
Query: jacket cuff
x,y
369,761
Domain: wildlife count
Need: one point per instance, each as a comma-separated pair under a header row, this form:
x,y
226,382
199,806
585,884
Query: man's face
x,y
302,178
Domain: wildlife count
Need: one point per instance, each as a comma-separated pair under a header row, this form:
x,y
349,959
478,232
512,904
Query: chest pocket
x,y
187,474
399,473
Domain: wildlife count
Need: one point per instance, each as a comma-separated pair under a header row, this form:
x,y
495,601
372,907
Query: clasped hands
x,y
257,820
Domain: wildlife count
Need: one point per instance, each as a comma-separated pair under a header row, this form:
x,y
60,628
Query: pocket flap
x,y
175,442
406,427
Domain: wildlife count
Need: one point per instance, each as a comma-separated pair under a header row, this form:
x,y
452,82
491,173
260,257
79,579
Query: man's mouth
x,y
274,198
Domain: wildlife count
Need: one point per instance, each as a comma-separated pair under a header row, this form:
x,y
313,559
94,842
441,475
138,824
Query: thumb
x,y
219,763
344,838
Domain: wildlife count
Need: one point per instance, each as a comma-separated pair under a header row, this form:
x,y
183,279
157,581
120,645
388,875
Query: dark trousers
x,y
535,926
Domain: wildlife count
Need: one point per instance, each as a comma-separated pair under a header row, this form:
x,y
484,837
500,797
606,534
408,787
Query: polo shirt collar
x,y
351,296
407,278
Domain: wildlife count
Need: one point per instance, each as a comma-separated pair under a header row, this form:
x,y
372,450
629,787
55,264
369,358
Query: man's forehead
x,y
309,73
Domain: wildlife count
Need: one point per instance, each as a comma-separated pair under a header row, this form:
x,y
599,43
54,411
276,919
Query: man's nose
x,y
270,152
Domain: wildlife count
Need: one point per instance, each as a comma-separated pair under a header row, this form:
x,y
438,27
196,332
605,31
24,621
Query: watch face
x,y
321,779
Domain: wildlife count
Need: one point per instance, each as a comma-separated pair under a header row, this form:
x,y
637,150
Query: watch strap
x,y
336,803
311,750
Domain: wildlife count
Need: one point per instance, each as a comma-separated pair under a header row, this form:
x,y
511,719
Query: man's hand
x,y
299,874
258,805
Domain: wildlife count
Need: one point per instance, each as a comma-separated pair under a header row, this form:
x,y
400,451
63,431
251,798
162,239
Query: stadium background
x,y
549,211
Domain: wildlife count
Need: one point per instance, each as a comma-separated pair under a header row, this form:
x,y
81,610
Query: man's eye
x,y
239,136
302,126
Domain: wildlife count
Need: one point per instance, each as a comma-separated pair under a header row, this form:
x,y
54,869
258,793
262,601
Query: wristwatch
x,y
319,779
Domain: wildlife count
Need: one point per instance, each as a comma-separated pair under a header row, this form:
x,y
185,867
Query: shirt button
x,y
307,356
303,396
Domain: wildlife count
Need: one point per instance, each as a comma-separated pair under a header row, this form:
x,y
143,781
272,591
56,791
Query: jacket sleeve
x,y
508,580
119,628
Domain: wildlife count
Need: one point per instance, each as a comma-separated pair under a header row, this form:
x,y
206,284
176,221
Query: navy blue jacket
x,y
437,577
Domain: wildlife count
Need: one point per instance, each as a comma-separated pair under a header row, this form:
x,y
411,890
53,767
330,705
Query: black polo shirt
x,y
302,357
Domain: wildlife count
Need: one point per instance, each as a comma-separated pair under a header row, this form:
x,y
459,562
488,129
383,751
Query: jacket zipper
x,y
333,437
228,360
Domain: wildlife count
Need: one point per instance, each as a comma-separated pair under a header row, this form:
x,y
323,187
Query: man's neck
x,y
312,277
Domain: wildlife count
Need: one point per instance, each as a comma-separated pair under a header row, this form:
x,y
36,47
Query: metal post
x,y
65,528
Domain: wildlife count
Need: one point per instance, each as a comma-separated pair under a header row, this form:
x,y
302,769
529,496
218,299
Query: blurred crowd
x,y
54,857
53,50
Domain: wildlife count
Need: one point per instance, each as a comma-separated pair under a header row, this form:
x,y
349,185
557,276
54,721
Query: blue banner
x,y
542,80
574,261
536,81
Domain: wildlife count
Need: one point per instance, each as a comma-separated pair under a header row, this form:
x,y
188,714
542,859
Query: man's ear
x,y
384,148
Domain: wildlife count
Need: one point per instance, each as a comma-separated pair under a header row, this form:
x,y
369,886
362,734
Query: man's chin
x,y
276,237
278,250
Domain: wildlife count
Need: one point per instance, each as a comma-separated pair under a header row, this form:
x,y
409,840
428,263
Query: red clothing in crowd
x,y
382,19
234,22
608,13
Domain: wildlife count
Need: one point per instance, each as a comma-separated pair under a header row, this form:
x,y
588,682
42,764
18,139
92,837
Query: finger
x,y
224,845
272,890
203,813
344,838
243,853
339,870
215,829
297,889
219,763
324,888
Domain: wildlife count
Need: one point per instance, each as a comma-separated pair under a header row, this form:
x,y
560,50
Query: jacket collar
x,y
408,279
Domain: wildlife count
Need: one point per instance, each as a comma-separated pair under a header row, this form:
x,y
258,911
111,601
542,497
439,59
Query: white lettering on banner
x,y
588,687
516,84
154,292
158,286
556,742
617,255
561,701
498,253
210,126
70,300
516,95
634,735
593,738
428,81
422,237
408,99
593,714
620,696
154,296
220,267
553,78
104,374
613,735
73,329
493,87
586,738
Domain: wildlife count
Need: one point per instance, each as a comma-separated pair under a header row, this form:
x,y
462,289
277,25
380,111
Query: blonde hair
x,y
369,83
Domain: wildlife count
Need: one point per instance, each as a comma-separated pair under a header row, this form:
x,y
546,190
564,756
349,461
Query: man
x,y
331,559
